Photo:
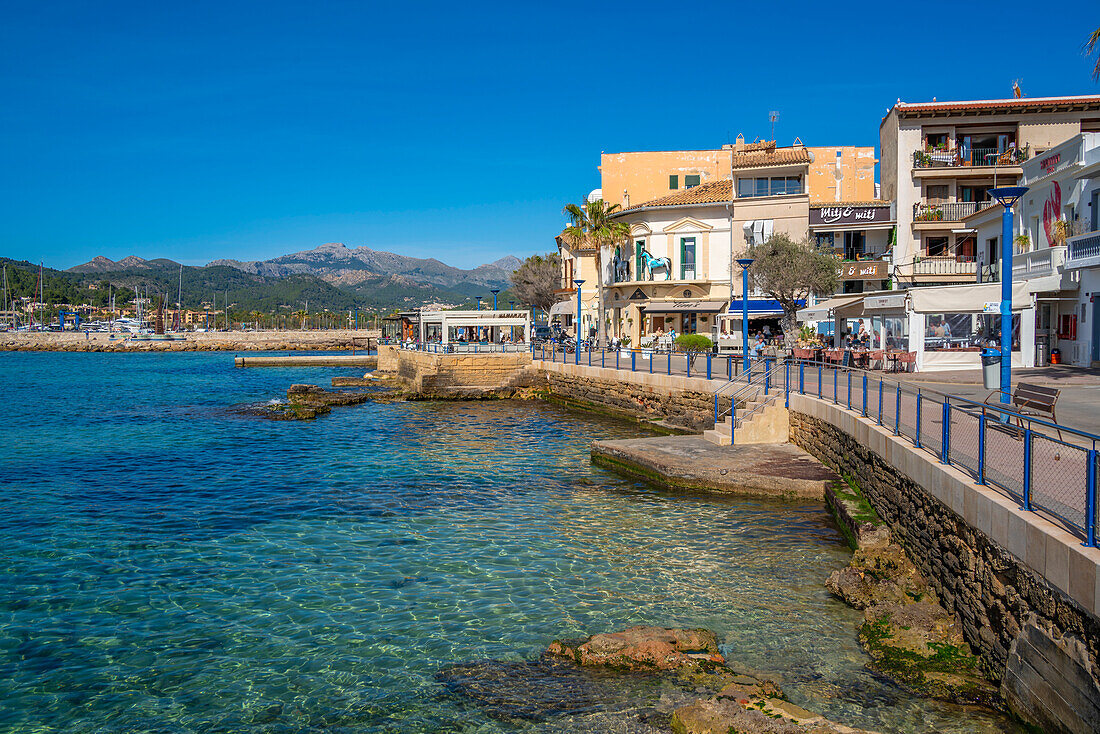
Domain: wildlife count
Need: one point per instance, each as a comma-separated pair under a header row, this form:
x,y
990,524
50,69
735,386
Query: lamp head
x,y
1007,196
494,291
745,261
579,282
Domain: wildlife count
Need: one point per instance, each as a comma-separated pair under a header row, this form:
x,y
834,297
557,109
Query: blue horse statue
x,y
652,263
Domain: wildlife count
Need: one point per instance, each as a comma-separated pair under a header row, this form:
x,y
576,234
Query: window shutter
x,y
674,182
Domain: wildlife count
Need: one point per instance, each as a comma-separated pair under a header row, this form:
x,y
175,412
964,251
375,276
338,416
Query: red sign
x,y
1051,162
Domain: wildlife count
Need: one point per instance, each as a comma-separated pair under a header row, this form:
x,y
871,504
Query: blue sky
x,y
455,130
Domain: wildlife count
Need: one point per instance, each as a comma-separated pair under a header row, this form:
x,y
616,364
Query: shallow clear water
x,y
172,565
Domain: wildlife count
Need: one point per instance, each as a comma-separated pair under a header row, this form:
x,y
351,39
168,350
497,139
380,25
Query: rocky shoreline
x,y
233,341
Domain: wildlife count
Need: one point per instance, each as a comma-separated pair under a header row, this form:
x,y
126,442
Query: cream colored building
x,y
940,159
697,234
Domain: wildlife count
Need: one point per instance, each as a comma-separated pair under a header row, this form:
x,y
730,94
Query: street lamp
x,y
745,262
578,282
479,302
495,291
1006,196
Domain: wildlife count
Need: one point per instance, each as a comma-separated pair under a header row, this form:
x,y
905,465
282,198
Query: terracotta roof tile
x,y
772,157
908,108
708,193
872,202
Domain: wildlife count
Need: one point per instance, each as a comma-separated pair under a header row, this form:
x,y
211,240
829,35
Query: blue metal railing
x,y
1046,467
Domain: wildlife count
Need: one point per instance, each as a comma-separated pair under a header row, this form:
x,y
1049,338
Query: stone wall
x,y
461,375
1040,643
676,406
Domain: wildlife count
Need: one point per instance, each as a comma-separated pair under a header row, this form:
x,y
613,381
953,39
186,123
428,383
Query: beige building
x,y
845,173
939,161
677,272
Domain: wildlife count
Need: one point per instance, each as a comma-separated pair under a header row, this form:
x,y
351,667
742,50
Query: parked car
x,y
541,334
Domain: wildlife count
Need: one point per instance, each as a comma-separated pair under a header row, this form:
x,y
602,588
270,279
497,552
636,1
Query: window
x,y
674,182
687,258
774,186
936,194
935,246
824,240
690,181
966,331
896,332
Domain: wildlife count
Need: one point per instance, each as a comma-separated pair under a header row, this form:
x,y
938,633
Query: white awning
x,y
684,306
887,302
563,308
824,309
966,298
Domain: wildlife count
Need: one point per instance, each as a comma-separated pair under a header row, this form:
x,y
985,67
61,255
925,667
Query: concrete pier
x,y
309,360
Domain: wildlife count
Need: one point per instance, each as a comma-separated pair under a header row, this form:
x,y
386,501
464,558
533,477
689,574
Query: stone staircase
x,y
767,421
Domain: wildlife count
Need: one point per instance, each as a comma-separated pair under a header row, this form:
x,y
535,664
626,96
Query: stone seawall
x,y
1041,643
682,403
450,376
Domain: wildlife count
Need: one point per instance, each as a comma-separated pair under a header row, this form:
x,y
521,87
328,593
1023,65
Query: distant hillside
x,y
331,276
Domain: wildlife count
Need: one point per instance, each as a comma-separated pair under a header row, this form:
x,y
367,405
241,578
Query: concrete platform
x,y
309,360
781,471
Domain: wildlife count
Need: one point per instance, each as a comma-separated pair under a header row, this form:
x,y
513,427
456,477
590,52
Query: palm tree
x,y
592,224
1092,46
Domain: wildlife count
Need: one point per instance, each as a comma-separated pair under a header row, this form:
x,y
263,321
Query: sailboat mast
x,y
179,302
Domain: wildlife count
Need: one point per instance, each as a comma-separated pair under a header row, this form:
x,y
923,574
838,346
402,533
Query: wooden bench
x,y
1030,399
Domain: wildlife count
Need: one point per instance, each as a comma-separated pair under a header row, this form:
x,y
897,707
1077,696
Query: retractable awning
x,y
684,307
886,302
563,308
824,310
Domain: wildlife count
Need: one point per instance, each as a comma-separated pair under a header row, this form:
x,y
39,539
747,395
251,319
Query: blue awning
x,y
761,307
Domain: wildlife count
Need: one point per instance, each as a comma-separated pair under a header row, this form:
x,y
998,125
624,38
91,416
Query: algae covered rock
x,y
643,649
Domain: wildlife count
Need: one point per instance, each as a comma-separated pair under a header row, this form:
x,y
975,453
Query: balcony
x,y
951,211
1038,263
969,157
949,265
1083,251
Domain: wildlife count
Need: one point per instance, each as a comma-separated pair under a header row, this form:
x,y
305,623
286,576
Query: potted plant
x,y
1023,243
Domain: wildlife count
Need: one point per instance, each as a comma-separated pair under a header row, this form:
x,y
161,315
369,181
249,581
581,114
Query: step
x,y
718,439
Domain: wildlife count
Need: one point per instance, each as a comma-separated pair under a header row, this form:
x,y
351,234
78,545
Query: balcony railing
x,y
1083,248
945,265
1038,263
960,157
951,211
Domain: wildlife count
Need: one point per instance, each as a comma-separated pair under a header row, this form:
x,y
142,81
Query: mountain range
x,y
333,272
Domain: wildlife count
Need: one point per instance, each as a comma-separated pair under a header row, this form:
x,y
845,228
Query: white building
x,y
1056,247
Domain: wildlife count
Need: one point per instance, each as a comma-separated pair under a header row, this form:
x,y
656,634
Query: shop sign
x,y
849,215
991,307
875,270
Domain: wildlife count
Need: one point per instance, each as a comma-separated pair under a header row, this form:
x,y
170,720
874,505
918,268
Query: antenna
x,y
773,116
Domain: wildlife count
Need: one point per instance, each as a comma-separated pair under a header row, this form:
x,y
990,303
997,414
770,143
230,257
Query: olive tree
x,y
790,271
693,345
536,279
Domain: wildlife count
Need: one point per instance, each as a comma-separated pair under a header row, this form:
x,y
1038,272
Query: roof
x,y
824,204
566,239
712,192
769,155
913,109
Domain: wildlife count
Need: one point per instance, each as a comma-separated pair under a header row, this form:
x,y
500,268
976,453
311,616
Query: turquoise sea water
x,y
171,564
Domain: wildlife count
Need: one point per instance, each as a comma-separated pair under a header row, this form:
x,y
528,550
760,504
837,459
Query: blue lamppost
x,y
1007,196
745,262
578,282
495,291
479,302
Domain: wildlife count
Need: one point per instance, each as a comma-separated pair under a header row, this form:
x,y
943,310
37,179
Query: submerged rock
x,y
646,649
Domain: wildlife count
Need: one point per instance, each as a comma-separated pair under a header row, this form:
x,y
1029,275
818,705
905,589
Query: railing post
x,y
633,361
715,409
1027,468
670,361
916,433
897,413
787,384
981,447
616,359
820,370
603,357
651,358
1090,499
945,434
767,375
864,394
687,361
849,395
836,386
708,365
880,401
801,378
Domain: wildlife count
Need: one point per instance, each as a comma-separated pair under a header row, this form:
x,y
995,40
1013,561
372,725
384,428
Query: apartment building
x,y
841,173
940,159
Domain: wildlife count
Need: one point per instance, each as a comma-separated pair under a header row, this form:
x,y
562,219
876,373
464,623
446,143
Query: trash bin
x,y
991,369
1056,356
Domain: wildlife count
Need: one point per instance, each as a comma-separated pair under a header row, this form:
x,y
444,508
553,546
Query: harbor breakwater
x,y
230,341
